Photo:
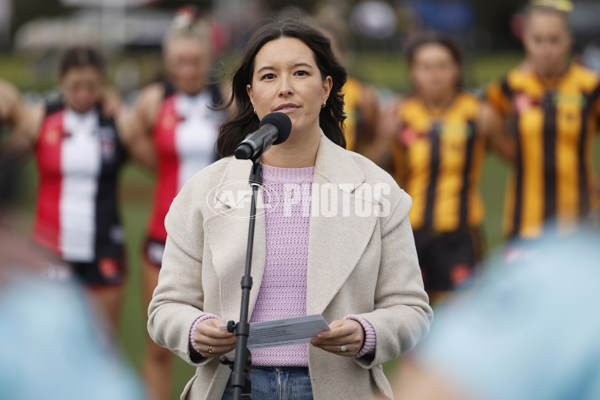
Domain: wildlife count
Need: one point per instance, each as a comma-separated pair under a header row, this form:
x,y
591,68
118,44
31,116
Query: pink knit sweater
x,y
283,288
282,293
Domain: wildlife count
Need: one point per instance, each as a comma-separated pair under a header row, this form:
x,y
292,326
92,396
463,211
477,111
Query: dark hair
x,y
80,57
244,121
430,37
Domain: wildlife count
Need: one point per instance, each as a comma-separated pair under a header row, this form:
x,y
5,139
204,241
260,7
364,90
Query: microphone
x,y
273,129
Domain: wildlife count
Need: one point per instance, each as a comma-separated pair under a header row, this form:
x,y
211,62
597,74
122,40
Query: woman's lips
x,y
287,108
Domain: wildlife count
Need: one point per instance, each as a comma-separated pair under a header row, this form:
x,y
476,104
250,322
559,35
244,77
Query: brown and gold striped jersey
x,y
438,159
554,123
352,92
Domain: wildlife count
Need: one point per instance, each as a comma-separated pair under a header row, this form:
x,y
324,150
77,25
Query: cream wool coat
x,y
357,264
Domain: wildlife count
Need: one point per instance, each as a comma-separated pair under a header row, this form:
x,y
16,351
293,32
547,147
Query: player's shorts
x,y
448,259
153,251
105,271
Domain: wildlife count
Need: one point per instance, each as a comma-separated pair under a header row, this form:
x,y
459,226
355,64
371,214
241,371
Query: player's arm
x,y
10,103
369,112
138,146
386,132
493,127
137,142
27,122
495,96
135,126
596,110
111,102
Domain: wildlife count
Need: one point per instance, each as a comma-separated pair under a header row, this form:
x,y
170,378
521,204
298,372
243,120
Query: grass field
x,y
385,71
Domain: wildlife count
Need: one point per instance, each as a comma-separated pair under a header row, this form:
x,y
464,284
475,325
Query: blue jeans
x,y
277,383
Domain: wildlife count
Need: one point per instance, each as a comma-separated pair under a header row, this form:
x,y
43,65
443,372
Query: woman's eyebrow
x,y
302,64
299,64
265,68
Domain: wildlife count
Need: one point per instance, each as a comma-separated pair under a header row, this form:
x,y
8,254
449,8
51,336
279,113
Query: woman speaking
x,y
357,268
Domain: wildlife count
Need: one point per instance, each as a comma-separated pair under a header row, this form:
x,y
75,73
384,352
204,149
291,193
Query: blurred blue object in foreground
x,y
53,342
530,329
52,346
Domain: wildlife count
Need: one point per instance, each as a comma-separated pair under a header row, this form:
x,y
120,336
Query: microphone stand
x,y
241,364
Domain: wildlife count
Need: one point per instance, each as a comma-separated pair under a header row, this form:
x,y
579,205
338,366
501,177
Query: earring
x,y
254,109
323,105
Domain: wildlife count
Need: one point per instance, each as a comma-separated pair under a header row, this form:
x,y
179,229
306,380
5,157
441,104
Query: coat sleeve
x,y
178,299
402,315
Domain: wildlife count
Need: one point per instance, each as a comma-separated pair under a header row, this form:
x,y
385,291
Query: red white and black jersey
x,y
78,158
185,135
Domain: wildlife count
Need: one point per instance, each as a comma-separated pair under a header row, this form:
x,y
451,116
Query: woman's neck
x,y
294,153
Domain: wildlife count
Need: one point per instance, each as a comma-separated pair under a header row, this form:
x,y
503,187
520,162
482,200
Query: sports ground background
x,y
386,72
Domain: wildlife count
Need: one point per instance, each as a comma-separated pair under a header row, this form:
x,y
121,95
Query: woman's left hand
x,y
345,334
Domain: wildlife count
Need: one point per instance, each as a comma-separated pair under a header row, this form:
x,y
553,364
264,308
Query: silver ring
x,y
343,348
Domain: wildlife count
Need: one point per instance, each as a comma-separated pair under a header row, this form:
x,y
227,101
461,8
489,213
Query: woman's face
x,y
82,88
434,72
188,62
286,79
547,42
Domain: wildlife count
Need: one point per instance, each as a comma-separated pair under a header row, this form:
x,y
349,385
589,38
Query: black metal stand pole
x,y
240,375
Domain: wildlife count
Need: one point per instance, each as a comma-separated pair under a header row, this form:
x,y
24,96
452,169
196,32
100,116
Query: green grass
x,y
390,70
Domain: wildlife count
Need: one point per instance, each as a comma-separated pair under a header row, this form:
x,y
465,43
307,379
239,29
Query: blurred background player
x,y
553,106
360,105
79,151
360,99
11,106
179,118
439,136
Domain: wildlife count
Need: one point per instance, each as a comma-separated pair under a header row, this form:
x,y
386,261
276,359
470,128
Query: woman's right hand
x,y
211,340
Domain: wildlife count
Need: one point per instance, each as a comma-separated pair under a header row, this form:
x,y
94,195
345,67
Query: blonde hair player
x,y
553,106
179,119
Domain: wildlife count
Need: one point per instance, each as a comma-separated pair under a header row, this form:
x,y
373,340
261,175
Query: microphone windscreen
x,y
282,122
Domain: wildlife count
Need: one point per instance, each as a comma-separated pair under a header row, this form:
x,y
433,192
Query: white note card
x,y
284,332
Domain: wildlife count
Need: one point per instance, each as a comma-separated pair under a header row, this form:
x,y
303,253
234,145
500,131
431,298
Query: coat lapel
x,y
338,237
227,236
334,245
